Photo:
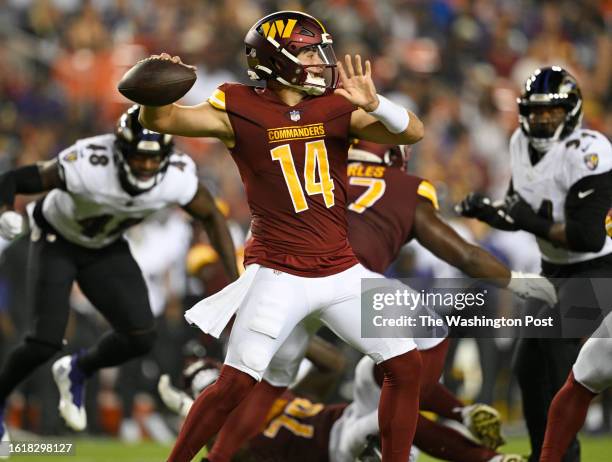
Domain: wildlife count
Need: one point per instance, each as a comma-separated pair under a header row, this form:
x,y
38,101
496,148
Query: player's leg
x,y
398,358
530,366
51,274
275,304
592,373
561,355
248,418
444,443
482,422
433,365
565,417
113,283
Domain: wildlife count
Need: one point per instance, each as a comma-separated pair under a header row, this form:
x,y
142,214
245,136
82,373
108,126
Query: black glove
x,y
476,205
520,213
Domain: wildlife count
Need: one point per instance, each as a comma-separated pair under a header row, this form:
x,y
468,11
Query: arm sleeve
x,y
586,206
73,169
23,180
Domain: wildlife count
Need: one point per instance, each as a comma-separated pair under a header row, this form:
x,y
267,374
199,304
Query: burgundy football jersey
x,y
298,432
381,211
292,160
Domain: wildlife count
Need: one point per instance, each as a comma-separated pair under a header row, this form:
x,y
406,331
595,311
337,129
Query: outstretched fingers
x,y
349,66
358,67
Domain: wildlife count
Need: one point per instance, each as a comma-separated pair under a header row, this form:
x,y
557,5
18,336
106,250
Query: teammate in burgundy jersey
x,y
297,427
290,143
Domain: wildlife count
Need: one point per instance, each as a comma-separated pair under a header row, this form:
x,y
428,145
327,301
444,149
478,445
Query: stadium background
x,y
458,64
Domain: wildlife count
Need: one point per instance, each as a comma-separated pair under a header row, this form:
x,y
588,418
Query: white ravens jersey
x,y
95,210
546,184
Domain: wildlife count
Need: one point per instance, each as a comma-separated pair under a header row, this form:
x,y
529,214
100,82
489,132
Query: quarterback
x,y
290,141
97,188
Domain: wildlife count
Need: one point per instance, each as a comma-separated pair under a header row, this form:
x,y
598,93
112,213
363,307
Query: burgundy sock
x,y
209,411
245,421
399,405
433,365
445,443
565,417
441,401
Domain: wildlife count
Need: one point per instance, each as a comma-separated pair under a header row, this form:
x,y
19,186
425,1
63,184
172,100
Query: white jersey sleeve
x,y
181,182
588,153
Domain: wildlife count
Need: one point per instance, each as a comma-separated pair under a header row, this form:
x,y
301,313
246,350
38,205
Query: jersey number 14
x,y
315,159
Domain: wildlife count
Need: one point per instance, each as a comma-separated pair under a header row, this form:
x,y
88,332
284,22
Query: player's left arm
x,y
377,119
203,207
585,214
586,206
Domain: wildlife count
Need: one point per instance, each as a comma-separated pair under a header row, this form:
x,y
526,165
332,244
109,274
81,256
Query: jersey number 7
x,y
316,159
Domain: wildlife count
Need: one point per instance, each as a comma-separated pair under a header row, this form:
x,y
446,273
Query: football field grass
x,y
595,449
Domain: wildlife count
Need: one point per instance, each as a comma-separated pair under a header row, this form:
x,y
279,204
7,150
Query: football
x,y
156,82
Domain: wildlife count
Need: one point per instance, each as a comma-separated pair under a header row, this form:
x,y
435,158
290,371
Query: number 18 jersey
x,y
292,160
94,210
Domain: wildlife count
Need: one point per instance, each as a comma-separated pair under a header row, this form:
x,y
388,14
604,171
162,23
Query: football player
x,y
290,142
561,191
299,427
97,188
388,208
590,375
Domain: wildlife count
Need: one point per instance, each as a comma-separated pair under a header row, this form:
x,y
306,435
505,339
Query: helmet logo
x,y
591,161
271,28
566,86
295,115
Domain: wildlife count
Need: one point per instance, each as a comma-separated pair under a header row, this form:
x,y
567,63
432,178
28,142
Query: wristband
x,y
392,116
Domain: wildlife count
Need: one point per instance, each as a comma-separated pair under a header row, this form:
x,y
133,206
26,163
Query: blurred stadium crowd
x,y
458,63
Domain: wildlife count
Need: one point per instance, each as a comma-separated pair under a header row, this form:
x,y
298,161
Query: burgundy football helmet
x,y
387,154
274,42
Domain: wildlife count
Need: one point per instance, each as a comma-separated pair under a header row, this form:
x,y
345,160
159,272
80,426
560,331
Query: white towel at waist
x,y
213,313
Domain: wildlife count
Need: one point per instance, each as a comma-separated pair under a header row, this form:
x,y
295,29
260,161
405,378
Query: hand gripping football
x,y
156,82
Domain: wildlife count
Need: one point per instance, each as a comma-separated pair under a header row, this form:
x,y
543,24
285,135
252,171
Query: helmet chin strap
x,y
314,86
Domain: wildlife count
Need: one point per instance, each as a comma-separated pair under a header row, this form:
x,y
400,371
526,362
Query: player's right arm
x,y
445,243
31,179
202,120
442,240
